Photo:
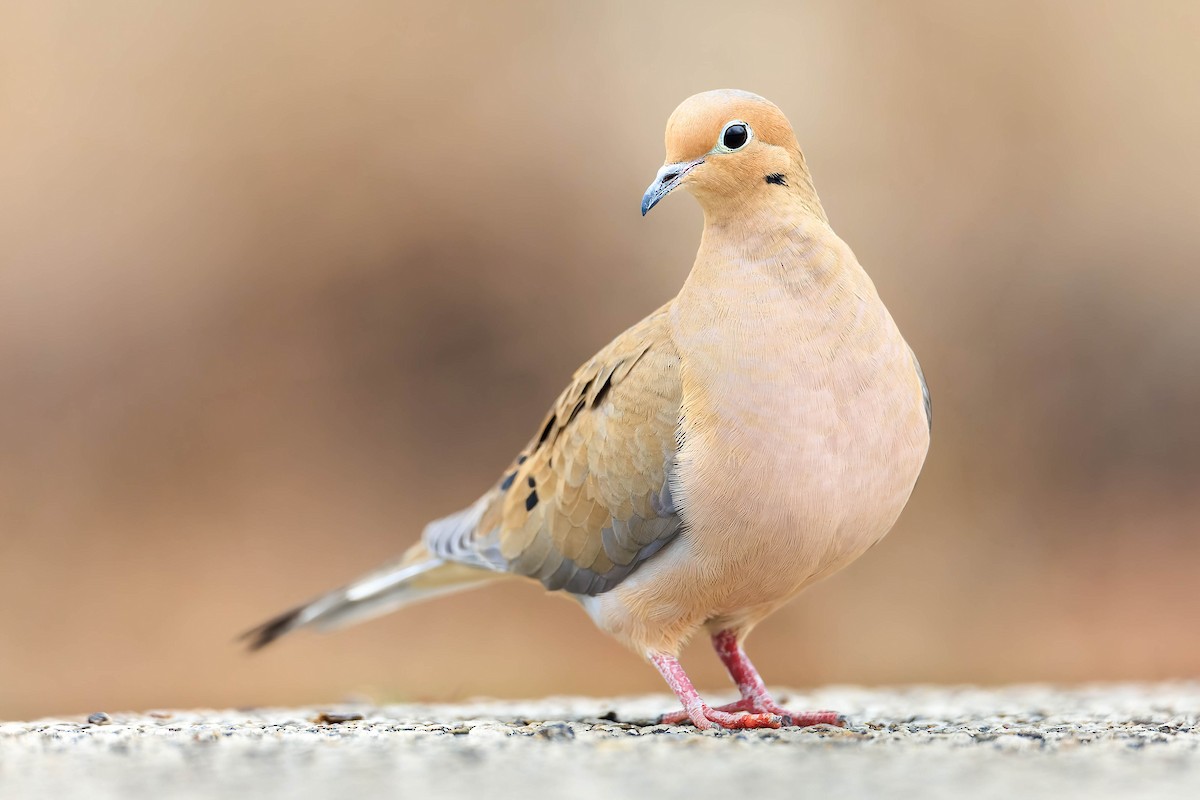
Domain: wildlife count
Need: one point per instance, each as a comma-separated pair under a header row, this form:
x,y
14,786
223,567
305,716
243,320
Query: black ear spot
x,y
777,178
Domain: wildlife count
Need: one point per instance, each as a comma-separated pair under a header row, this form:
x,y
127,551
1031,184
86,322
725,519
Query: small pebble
x,y
331,718
556,731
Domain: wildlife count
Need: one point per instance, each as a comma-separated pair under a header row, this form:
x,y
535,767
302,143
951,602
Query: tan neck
x,y
805,192
779,246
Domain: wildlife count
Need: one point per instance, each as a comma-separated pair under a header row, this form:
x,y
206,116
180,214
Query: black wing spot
x,y
604,388
531,501
575,411
531,481
521,459
777,178
508,481
546,430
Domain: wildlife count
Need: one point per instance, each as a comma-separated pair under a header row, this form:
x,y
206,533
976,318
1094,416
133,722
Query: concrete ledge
x,y
1029,742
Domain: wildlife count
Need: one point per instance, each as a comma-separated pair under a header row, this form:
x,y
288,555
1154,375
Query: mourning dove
x,y
757,433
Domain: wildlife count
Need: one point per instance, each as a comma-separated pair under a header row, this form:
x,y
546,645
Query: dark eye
x,y
735,136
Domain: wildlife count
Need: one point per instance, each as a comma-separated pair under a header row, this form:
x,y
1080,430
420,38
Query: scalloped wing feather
x,y
589,499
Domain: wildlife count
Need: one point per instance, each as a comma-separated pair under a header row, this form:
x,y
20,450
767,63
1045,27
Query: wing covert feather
x,y
589,498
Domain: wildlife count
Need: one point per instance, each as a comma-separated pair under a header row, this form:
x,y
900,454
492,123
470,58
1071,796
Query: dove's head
x,y
731,148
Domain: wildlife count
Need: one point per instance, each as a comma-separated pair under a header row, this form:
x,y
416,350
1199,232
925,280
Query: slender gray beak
x,y
668,178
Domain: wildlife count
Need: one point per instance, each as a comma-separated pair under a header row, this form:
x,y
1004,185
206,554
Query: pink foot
x,y
802,719
700,713
756,701
761,710
705,717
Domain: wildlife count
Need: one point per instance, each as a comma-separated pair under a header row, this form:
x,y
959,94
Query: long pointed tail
x,y
415,577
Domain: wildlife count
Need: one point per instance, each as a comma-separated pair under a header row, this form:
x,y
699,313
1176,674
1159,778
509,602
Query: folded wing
x,y
589,498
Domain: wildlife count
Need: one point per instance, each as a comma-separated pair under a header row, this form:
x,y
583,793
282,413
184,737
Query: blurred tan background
x,y
279,284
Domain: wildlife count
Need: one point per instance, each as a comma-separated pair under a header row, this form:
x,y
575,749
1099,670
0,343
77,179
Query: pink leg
x,y
695,709
755,697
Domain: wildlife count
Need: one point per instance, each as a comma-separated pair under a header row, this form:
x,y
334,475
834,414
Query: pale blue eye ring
x,y
734,136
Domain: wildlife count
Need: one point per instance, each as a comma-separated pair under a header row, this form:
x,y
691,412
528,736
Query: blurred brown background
x,y
277,285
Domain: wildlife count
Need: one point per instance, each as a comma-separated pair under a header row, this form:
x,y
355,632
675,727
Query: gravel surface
x,y
1139,741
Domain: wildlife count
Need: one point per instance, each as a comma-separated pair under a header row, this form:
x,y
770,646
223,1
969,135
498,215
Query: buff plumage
x,y
757,433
